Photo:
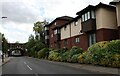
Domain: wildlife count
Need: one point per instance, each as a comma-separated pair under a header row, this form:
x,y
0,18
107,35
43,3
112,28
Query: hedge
x,y
105,53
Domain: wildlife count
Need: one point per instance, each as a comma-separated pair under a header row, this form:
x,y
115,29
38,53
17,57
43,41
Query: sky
x,y
22,14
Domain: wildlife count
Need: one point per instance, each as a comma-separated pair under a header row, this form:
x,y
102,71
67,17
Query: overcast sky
x,y
21,14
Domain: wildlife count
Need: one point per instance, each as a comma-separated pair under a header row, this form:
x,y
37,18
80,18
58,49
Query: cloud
x,y
23,13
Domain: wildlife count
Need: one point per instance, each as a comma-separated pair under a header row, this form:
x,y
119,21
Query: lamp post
x,y
2,43
2,54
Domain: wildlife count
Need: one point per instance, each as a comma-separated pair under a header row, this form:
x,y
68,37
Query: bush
x,y
63,57
74,58
53,55
73,51
103,53
43,53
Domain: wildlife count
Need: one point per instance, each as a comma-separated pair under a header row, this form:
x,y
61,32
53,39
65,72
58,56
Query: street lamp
x,y
4,17
2,43
2,54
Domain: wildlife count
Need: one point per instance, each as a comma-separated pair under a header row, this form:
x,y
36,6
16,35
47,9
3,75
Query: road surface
x,y
33,66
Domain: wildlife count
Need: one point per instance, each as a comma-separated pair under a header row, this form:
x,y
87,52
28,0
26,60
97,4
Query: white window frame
x,y
93,14
88,15
83,18
77,39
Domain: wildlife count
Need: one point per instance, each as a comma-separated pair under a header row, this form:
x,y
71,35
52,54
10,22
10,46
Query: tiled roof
x,y
68,18
93,7
114,2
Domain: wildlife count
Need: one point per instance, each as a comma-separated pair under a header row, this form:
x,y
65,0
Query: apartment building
x,y
52,31
117,4
93,24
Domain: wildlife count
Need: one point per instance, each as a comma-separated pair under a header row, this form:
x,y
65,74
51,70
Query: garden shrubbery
x,y
53,55
43,53
105,53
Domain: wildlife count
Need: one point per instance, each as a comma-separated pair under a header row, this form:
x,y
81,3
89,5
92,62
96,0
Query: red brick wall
x,y
106,34
71,42
101,35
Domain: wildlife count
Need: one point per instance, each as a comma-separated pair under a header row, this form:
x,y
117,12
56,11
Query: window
x,y
46,28
88,15
77,40
92,39
83,19
93,14
85,16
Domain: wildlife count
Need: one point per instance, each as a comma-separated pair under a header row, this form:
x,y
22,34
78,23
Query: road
x,y
27,65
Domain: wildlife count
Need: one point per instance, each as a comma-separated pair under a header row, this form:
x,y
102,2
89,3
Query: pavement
x,y
6,59
27,65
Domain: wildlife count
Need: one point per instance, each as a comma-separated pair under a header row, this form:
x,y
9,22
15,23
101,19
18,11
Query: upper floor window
x,y
88,15
83,18
93,14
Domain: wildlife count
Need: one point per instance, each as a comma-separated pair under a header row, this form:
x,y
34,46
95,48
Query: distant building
x,y
53,34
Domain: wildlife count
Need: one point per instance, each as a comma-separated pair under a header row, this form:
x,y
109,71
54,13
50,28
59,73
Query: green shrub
x,y
53,55
81,58
73,51
103,53
63,57
43,53
74,58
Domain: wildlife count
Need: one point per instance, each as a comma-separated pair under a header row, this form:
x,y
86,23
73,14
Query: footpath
x,y
6,59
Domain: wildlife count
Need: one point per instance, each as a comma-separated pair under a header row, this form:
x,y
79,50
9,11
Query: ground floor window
x,y
92,39
77,40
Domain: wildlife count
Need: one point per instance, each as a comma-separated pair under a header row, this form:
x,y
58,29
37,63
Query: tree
x,y
39,30
30,44
4,44
36,43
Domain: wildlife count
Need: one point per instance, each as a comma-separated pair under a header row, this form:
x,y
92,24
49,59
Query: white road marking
x,y
29,67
